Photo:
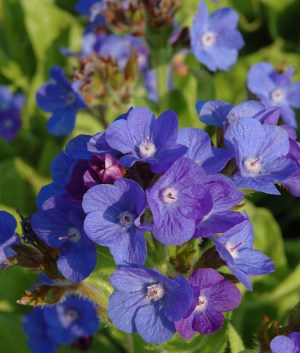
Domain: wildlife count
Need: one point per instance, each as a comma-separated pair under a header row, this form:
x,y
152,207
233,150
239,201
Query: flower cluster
x,y
10,113
73,321
143,175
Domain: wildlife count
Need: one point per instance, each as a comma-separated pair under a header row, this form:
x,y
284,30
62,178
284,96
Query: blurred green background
x,y
32,33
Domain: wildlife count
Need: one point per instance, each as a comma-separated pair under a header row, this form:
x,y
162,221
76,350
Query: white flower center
x,y
155,292
233,249
71,315
8,123
208,39
278,95
73,235
202,303
147,149
169,195
253,166
126,219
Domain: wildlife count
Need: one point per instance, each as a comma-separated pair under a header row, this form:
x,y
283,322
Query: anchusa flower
x,y
143,138
60,225
261,153
212,296
148,302
286,344
10,113
64,323
62,99
113,220
214,39
235,248
275,88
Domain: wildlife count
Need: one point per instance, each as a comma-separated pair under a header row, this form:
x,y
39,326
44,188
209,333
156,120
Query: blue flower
x,y
214,39
10,113
62,99
224,196
286,344
200,150
235,248
8,237
113,220
213,296
147,302
91,8
59,224
220,113
64,323
178,200
34,324
143,138
275,89
73,318
261,154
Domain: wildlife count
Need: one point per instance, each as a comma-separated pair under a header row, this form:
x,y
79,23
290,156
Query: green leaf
x,y
266,232
12,337
235,341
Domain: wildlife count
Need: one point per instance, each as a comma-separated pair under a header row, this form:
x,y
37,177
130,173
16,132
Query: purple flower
x,y
143,138
200,150
8,237
73,318
213,296
178,200
261,154
214,39
59,224
113,220
10,113
62,99
275,89
147,302
235,248
286,344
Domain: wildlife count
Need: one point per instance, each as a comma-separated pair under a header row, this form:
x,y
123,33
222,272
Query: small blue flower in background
x,y
275,89
214,39
62,99
90,8
8,237
213,295
34,324
146,139
147,302
63,323
286,344
10,113
235,248
73,318
113,220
